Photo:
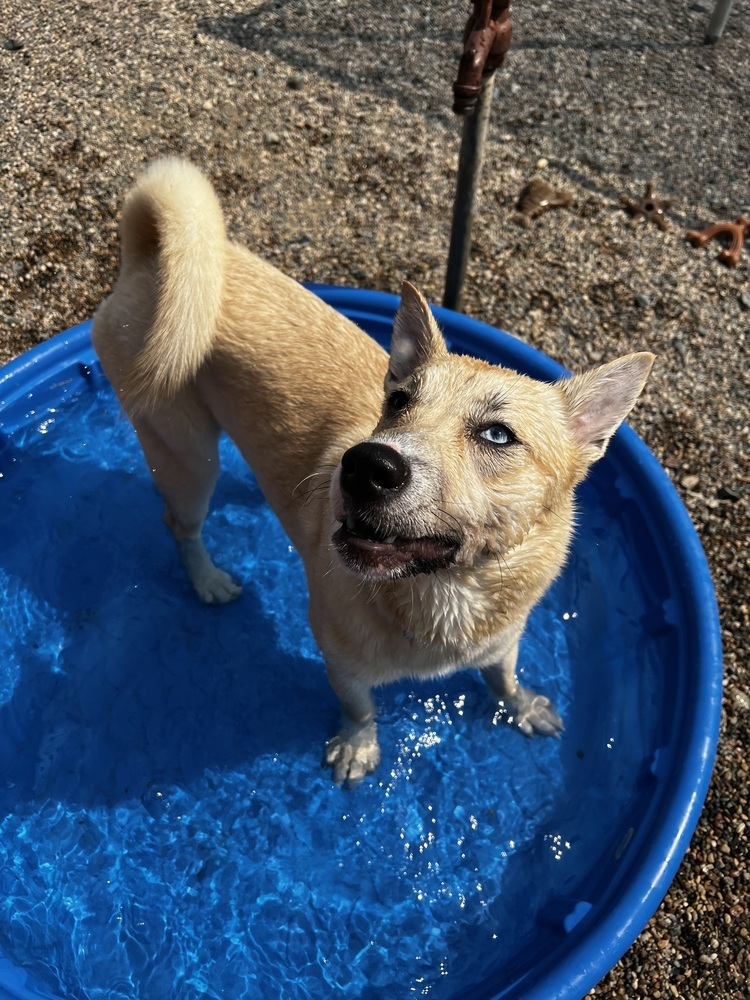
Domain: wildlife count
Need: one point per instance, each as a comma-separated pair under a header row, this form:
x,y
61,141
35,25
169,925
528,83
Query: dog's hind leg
x,y
181,445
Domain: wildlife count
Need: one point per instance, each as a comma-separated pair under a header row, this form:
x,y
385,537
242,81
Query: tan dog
x,y
431,517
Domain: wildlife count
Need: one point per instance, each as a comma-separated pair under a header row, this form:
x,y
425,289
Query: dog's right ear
x,y
416,337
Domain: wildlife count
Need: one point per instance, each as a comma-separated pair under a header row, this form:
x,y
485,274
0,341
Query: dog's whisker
x,y
500,567
320,489
554,513
305,480
325,470
310,492
443,514
412,588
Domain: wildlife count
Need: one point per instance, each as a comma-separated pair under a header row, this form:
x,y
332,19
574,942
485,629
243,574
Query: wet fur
x,y
201,335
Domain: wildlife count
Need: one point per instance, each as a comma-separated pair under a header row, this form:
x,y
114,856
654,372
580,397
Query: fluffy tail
x,y
172,224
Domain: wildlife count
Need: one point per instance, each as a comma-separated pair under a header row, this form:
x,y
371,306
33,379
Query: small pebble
x,y
728,493
542,163
643,301
12,44
744,300
690,482
207,105
680,347
295,82
272,139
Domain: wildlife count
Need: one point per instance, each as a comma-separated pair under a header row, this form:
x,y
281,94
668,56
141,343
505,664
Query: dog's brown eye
x,y
398,400
498,434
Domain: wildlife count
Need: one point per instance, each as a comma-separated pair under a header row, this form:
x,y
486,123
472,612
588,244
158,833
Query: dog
x,y
430,495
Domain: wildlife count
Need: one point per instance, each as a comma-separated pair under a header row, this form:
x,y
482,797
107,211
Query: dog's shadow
x,y
113,676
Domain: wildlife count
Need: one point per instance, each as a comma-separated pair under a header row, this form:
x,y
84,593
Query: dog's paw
x,y
217,587
531,713
353,753
211,584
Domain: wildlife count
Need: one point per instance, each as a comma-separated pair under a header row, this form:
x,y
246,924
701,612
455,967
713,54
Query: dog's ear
x,y
599,400
416,337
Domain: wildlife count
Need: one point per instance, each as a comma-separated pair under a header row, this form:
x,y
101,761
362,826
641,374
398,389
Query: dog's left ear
x,y
599,400
416,337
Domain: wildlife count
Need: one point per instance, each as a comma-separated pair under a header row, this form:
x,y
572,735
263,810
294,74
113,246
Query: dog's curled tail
x,y
173,225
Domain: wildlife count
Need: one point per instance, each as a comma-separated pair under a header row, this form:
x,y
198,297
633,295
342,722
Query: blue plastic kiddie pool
x,y
166,829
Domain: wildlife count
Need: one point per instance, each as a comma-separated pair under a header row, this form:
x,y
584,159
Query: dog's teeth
x,y
362,530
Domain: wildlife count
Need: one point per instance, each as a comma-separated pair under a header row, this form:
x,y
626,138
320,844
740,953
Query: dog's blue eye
x,y
498,434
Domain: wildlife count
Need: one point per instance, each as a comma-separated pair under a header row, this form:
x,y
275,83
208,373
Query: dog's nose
x,y
369,471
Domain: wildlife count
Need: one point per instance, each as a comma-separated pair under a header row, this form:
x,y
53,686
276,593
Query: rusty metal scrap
x,y
737,231
486,42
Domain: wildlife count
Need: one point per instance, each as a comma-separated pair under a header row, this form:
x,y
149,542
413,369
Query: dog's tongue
x,y
403,549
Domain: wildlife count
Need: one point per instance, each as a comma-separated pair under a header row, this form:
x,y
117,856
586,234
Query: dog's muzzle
x,y
369,541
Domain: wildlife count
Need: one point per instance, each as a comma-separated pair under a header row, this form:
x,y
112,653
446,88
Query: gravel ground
x,y
326,127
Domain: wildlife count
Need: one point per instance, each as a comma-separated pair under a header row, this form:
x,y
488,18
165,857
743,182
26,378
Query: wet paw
x,y
212,584
531,713
353,753
217,587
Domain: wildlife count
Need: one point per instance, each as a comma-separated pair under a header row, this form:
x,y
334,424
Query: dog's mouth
x,y
376,554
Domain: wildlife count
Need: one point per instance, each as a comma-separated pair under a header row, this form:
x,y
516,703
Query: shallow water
x,y
167,829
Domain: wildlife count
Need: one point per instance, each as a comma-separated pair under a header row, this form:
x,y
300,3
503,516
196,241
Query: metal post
x,y
718,20
486,42
470,160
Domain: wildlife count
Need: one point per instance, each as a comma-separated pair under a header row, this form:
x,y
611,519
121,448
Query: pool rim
x,y
595,952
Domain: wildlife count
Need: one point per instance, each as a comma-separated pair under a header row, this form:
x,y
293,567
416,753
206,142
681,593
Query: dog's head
x,y
468,458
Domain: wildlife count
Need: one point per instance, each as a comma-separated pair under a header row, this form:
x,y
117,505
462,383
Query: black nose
x,y
369,471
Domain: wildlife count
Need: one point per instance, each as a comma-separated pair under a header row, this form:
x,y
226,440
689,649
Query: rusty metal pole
x,y
486,42
470,160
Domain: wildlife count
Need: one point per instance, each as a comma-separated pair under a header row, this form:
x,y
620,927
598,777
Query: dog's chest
x,y
420,626
446,620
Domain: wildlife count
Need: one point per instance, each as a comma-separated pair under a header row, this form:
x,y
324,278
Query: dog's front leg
x,y
354,751
212,585
531,713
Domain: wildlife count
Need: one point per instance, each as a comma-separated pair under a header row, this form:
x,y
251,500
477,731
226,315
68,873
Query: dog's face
x,y
467,458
